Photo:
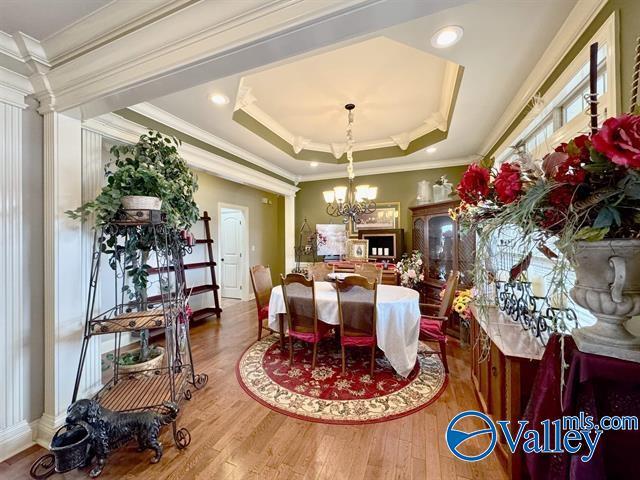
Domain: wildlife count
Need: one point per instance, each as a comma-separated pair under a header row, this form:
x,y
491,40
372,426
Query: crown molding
x,y
170,120
580,17
14,88
393,168
106,24
118,128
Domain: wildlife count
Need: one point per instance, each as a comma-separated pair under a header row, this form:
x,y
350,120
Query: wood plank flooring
x,y
234,437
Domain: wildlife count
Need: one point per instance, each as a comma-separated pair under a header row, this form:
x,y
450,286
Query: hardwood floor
x,y
234,437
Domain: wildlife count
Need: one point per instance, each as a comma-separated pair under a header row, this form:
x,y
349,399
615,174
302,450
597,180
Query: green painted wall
x,y
392,187
266,221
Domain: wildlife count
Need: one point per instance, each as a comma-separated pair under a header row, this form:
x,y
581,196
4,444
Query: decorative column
x,y
63,285
15,432
289,232
92,181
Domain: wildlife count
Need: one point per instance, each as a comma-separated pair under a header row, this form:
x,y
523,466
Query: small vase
x,y
141,202
608,285
439,194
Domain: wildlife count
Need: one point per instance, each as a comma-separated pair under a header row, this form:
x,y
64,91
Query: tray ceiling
x,y
401,94
501,44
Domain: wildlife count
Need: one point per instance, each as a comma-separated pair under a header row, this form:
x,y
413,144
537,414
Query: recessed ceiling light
x,y
446,36
219,99
314,164
431,149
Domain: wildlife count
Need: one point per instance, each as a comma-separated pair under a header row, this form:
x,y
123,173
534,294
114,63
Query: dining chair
x,y
370,271
300,302
319,271
357,312
433,324
262,286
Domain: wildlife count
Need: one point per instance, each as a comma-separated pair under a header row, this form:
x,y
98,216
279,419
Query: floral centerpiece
x,y
410,268
581,206
461,303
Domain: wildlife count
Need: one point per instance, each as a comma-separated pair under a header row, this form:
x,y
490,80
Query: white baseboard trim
x,y
17,438
47,427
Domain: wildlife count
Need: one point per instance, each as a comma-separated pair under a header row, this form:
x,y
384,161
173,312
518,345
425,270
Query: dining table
x,y
397,320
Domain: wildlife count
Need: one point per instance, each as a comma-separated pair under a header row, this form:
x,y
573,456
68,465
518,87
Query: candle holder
x,y
533,312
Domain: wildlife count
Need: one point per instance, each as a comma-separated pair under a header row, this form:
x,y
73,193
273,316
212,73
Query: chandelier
x,y
348,201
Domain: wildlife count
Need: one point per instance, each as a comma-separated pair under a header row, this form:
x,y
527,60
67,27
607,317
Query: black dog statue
x,y
110,430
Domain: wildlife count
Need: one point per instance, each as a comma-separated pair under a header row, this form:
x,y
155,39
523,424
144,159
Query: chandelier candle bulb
x,y
373,193
329,196
341,193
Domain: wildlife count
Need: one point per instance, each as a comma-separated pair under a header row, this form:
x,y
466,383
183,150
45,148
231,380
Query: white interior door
x,y
231,251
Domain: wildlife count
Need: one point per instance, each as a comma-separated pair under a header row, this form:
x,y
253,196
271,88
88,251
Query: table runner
x,y
398,325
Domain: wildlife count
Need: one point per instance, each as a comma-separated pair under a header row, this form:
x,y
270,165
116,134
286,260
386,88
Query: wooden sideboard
x,y
504,362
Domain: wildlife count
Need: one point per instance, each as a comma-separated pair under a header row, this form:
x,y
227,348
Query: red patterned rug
x,y
325,395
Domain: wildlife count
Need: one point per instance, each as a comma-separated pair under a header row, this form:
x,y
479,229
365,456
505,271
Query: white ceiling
x,y
399,92
41,18
503,39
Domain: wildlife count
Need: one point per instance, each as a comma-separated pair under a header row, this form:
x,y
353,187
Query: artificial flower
x,y
552,162
571,171
508,183
619,140
474,186
560,197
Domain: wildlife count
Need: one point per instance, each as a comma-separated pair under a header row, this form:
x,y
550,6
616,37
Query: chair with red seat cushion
x,y
357,312
262,286
300,302
433,327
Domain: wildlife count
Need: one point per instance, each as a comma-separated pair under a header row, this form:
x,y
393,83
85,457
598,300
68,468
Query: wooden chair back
x,y
357,299
319,271
449,294
300,302
370,271
262,285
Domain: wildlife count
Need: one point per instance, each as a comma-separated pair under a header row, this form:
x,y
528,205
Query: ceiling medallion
x,y
350,202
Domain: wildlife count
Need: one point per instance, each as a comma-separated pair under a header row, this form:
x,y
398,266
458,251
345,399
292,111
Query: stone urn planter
x,y
141,202
608,285
147,368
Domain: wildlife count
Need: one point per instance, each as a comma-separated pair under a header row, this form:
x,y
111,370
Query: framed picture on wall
x,y
357,250
385,216
331,239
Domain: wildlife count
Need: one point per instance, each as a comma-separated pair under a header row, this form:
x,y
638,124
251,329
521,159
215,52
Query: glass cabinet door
x,y
441,245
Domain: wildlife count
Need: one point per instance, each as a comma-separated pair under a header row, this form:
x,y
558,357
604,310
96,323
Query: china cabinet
x,y
443,245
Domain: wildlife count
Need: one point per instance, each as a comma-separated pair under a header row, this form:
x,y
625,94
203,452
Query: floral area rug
x,y
325,395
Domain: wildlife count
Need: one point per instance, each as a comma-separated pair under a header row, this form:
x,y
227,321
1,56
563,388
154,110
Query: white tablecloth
x,y
398,323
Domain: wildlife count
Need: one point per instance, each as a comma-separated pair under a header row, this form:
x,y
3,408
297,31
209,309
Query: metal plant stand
x,y
147,389
136,312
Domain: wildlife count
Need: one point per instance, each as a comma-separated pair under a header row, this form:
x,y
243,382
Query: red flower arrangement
x,y
508,182
619,140
474,186
591,183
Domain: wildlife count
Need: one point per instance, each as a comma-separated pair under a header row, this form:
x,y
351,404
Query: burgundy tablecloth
x,y
598,386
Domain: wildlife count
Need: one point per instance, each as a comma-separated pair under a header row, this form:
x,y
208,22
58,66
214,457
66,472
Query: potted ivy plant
x,y
150,174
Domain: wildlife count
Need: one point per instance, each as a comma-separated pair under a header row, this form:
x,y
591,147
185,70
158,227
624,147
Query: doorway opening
x,y
233,240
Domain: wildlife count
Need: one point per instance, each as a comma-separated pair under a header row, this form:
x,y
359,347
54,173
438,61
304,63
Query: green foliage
x,y
591,234
152,167
134,357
